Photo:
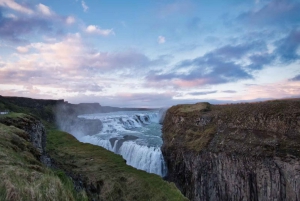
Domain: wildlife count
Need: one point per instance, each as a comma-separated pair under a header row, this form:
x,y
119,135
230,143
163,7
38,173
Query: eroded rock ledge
x,y
234,152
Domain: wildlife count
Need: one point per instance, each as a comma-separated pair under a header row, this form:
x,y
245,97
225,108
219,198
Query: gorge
x,y
246,151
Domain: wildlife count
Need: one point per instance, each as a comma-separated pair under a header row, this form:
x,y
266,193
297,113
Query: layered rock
x,y
234,152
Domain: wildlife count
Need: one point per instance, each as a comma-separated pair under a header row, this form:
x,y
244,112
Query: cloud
x,y
258,61
205,70
161,39
229,91
275,12
82,87
238,51
93,29
296,78
128,99
287,47
84,6
66,64
45,10
14,28
15,6
202,93
21,49
230,63
282,89
70,20
42,22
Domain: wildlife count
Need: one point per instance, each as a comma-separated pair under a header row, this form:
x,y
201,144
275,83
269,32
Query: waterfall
x,y
134,136
145,158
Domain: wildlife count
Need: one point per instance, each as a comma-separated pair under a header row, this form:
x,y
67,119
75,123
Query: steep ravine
x,y
234,152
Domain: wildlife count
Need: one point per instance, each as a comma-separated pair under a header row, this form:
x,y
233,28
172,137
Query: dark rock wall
x,y
210,176
236,152
33,127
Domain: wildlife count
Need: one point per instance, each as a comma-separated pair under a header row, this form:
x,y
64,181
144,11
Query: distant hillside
x,y
47,109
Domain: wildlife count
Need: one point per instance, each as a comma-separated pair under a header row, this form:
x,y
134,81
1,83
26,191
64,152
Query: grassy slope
x,y
23,177
116,180
108,172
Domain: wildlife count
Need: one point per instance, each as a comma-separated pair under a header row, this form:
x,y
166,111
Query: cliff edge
x,y
23,174
234,152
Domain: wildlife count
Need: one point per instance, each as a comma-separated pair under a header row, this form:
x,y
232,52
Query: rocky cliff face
x,y
33,127
234,152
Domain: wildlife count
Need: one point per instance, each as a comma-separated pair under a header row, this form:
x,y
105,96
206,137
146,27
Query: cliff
x,y
39,108
234,152
34,128
23,175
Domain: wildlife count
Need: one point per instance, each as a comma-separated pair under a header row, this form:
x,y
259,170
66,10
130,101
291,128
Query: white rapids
x,y
135,135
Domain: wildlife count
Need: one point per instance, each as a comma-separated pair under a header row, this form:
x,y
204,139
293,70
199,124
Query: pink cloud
x,y
70,66
190,83
15,6
283,89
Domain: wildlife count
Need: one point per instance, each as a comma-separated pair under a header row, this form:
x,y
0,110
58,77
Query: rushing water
x,y
136,135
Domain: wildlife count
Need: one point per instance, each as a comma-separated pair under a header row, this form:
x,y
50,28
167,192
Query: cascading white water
x,y
134,135
145,158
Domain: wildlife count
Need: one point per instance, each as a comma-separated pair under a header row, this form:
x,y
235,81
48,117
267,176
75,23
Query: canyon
x,y
245,151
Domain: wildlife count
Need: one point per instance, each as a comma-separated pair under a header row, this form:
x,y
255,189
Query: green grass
x,y
12,115
116,180
23,177
198,107
44,112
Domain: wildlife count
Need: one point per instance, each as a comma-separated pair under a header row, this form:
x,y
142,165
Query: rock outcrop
x,y
234,152
33,127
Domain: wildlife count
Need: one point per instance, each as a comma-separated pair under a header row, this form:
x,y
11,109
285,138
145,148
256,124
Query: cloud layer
x,y
168,52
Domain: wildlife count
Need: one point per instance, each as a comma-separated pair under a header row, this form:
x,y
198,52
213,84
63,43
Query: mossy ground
x,y
107,171
23,177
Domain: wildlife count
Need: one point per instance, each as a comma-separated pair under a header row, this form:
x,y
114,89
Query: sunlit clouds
x,y
150,54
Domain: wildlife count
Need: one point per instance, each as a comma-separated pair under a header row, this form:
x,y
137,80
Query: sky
x,y
150,53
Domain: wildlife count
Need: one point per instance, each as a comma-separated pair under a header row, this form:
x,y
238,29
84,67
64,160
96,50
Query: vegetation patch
x,y
198,107
199,140
107,172
23,177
